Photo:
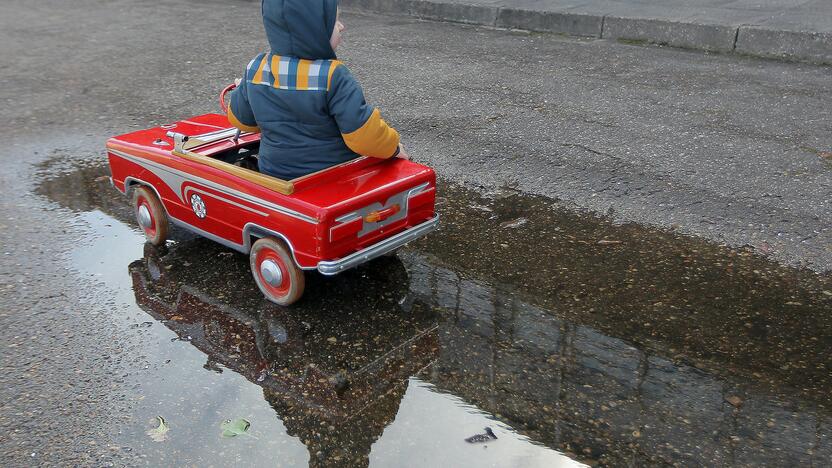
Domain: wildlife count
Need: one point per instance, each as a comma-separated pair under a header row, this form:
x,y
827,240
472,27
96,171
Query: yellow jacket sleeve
x,y
361,125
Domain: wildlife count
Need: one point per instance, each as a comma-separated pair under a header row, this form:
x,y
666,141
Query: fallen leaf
x,y
159,434
234,428
102,178
480,207
514,223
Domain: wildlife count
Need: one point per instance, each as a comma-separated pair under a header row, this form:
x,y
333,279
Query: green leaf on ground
x,y
234,428
159,434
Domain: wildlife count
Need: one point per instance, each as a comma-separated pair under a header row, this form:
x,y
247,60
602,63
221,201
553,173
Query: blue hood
x,y
300,28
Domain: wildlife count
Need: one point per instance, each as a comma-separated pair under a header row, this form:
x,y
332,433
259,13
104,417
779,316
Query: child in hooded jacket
x,y
308,107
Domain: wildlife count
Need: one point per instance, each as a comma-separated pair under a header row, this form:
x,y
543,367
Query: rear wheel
x,y
151,215
275,272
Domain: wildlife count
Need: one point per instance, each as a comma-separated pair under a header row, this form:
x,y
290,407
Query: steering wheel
x,y
225,91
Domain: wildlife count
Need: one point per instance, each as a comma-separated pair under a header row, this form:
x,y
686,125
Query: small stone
x,y
734,400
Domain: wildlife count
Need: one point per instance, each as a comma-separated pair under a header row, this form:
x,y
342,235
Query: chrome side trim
x,y
249,230
252,229
147,164
347,218
230,202
129,180
233,245
418,189
382,247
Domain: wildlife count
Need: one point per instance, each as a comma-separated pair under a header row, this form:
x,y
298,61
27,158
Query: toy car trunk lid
x,y
325,192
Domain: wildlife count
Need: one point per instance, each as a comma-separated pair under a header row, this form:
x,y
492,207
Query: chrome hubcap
x,y
271,273
144,217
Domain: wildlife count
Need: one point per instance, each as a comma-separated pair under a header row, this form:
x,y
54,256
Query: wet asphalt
x,y
577,338
592,343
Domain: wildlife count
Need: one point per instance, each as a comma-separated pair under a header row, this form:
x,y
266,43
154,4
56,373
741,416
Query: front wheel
x,y
275,272
151,215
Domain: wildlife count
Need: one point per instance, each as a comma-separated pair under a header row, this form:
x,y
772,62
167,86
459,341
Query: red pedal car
x,y
200,174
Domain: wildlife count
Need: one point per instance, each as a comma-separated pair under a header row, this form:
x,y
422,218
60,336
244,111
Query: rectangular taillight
x,y
421,195
346,226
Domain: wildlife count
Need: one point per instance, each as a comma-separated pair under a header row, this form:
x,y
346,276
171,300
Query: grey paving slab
x,y
810,16
787,29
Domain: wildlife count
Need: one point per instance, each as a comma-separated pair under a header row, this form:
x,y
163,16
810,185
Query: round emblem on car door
x,y
198,206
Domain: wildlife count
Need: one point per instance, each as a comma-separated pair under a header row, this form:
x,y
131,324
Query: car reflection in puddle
x,y
334,369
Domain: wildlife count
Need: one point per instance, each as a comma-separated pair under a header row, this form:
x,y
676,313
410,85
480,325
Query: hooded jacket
x,y
309,108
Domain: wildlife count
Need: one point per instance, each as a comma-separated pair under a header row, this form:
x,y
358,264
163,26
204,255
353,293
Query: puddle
x,y
678,296
572,338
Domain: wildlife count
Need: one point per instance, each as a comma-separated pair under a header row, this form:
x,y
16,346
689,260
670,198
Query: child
x,y
309,108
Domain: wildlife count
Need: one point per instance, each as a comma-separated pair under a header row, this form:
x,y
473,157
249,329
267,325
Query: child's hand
x,y
237,81
403,154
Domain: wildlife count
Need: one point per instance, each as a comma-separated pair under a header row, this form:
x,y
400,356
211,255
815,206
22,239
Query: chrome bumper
x,y
391,243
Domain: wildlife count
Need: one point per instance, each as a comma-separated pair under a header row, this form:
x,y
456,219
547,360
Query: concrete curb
x,y
809,46
710,37
550,21
803,45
